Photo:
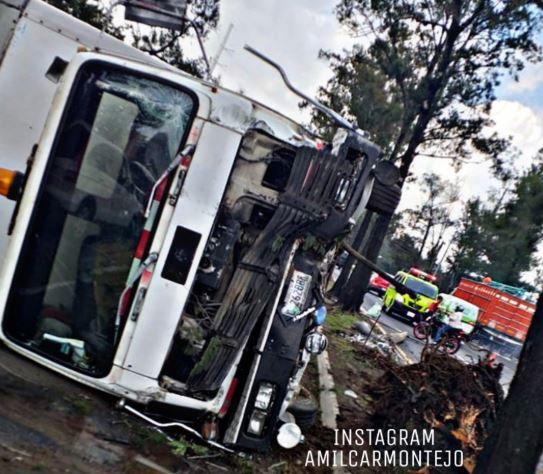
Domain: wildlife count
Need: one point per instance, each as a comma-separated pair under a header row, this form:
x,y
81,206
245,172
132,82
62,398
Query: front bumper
x,y
404,311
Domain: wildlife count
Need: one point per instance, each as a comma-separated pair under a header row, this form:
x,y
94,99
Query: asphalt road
x,y
413,347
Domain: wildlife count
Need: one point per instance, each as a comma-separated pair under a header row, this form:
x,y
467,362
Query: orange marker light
x,y
10,183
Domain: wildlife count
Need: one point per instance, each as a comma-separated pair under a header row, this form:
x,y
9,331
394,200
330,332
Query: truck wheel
x,y
304,411
384,199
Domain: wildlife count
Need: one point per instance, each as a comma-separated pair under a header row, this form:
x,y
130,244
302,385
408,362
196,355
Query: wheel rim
x,y
421,331
452,345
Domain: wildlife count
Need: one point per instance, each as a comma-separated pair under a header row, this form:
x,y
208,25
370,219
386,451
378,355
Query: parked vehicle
x,y
499,311
158,246
378,285
411,306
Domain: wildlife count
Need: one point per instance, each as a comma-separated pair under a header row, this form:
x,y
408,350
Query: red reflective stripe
x,y
228,398
145,236
142,244
160,190
146,278
127,297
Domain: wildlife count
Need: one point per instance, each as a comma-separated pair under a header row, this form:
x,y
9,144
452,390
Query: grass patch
x,y
143,436
199,450
338,320
181,446
245,464
342,345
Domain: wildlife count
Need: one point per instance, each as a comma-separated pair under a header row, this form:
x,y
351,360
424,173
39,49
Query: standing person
x,y
452,322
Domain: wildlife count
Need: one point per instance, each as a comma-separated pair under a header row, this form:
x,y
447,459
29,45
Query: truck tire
x,y
384,199
304,411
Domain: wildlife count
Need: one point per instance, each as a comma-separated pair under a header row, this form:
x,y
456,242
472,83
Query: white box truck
x,y
168,236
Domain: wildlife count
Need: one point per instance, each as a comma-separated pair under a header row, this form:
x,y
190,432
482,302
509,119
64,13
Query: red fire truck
x,y
500,310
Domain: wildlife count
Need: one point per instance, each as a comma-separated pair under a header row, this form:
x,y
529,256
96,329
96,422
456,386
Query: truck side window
x,y
120,132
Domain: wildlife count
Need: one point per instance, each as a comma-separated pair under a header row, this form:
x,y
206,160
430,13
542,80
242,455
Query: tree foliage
x,y
432,218
421,80
501,242
417,236
90,12
400,248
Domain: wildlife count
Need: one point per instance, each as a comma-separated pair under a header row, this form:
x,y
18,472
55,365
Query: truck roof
x,y
268,119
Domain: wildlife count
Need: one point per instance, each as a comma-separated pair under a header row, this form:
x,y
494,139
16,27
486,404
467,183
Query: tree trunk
x,y
423,244
516,443
352,296
357,245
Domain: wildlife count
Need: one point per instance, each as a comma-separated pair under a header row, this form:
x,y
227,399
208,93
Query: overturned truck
x,y
170,238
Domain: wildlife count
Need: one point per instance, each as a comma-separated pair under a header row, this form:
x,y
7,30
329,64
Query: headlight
x,y
399,298
264,396
263,402
257,422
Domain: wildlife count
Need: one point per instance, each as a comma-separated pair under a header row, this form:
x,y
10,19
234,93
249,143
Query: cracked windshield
x,y
119,135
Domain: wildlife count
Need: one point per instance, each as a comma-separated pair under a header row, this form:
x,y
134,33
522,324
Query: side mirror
x,y
164,13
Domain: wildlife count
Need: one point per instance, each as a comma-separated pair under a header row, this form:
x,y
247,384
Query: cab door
x,y
113,131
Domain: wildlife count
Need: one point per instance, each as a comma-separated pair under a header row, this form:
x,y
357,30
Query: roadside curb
x,y
327,397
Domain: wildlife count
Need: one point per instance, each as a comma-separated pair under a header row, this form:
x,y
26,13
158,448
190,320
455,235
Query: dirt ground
x,y
458,401
51,424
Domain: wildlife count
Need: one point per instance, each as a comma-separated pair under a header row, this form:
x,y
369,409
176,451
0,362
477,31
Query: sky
x,y
293,33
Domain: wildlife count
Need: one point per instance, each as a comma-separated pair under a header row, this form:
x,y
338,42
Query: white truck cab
x,y
168,237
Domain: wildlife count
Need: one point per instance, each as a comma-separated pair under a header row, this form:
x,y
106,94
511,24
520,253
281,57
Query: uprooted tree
x,y
422,81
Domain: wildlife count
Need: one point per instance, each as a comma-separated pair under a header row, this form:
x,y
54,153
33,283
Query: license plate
x,y
296,294
411,314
